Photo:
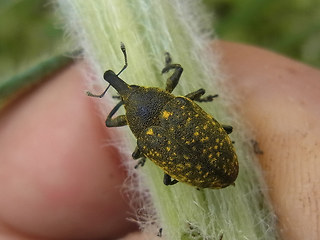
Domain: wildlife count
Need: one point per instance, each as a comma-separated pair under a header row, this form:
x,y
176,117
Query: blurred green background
x,y
29,29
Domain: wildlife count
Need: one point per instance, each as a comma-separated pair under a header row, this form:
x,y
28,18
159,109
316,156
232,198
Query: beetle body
x,y
143,107
175,133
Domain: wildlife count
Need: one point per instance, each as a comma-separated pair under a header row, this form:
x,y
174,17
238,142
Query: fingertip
x,y
55,160
279,98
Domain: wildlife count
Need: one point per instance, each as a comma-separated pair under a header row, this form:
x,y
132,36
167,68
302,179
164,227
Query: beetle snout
x,y
108,74
116,82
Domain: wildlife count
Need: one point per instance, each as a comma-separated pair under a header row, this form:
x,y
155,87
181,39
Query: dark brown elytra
x,y
187,143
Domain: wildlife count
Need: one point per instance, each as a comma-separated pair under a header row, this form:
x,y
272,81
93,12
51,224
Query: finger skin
x,y
279,98
57,179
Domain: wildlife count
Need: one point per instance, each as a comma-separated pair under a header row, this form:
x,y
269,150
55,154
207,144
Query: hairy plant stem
x,y
149,28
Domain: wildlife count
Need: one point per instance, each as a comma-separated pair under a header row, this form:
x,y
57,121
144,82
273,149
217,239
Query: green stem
x,y
11,88
149,28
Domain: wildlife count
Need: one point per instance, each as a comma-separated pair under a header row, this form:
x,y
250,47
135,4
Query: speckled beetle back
x,y
174,132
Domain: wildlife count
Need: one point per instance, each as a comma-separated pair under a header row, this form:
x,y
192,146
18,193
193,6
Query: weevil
x,y
175,133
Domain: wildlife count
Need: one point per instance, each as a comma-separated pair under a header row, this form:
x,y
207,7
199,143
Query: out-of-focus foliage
x,y
28,29
290,27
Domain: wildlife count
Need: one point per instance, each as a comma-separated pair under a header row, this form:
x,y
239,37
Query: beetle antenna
x,y
98,95
123,49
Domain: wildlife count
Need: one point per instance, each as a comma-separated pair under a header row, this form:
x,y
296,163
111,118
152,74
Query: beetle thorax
x,y
143,107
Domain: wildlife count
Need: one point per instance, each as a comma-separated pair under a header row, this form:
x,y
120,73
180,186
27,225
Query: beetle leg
x,y
167,180
168,59
136,155
116,97
141,162
117,121
196,96
159,232
227,128
173,80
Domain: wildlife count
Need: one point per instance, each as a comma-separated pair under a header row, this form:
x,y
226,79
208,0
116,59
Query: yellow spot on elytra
x,y
205,126
217,140
196,133
186,157
168,149
166,114
204,139
180,167
198,166
218,154
149,132
187,164
215,147
213,160
165,167
183,179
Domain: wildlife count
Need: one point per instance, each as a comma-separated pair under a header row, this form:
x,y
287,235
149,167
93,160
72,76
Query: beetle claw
x,y
141,163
